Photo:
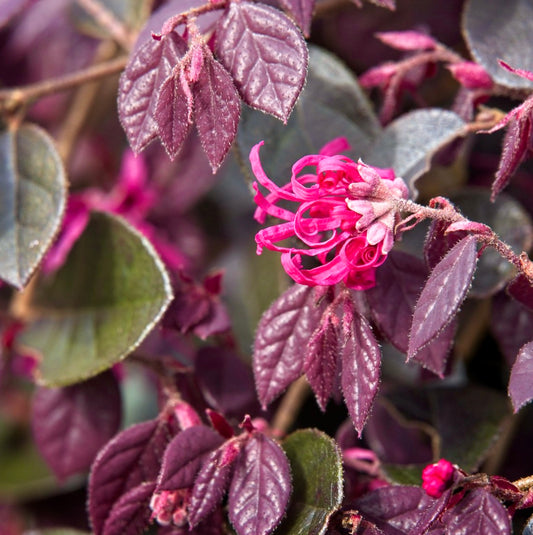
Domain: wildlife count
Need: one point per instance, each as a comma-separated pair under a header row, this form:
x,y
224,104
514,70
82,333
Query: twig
x,y
290,406
107,20
13,98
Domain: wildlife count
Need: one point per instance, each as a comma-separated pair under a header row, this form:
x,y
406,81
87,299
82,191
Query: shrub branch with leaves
x,y
393,278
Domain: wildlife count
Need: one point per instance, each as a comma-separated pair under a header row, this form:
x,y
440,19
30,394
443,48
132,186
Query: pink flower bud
x,y
437,477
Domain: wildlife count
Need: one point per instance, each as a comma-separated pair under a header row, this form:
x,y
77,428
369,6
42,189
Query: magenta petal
x,y
339,144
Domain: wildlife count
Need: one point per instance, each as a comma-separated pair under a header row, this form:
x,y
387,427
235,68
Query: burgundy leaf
x,y
185,455
130,515
478,512
9,9
282,333
511,325
140,86
361,362
266,55
471,75
131,458
320,364
521,380
443,294
71,424
301,11
227,383
214,524
434,356
520,289
260,487
515,145
389,4
217,110
172,114
400,509
393,298
210,485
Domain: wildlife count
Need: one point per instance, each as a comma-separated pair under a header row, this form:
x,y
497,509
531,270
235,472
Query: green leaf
x,y
33,186
316,465
408,143
501,30
100,305
318,117
403,474
468,420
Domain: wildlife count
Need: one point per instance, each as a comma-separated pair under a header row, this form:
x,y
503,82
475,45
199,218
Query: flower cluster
x,y
437,477
345,217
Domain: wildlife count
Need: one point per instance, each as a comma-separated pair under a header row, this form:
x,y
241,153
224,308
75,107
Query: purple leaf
x,y
361,361
401,509
511,325
320,364
133,457
210,485
393,298
71,424
227,383
282,333
496,30
433,356
185,455
443,294
217,110
173,115
438,242
520,382
478,512
266,55
515,145
301,11
520,289
141,84
130,515
9,9
260,487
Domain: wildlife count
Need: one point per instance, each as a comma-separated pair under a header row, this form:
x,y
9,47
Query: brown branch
x,y
290,406
15,97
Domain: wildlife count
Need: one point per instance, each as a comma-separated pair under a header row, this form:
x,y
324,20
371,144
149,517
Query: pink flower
x,y
345,217
437,477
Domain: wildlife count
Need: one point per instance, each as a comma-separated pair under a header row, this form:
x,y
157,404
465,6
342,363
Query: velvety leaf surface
x,y
316,466
520,382
58,531
131,513
266,55
130,459
141,84
227,383
392,300
171,114
331,104
468,419
33,185
361,362
10,8
511,325
496,30
512,224
100,305
301,11
209,487
399,145
185,455
478,512
405,509
260,487
217,110
71,424
443,294
282,333
320,364
521,290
